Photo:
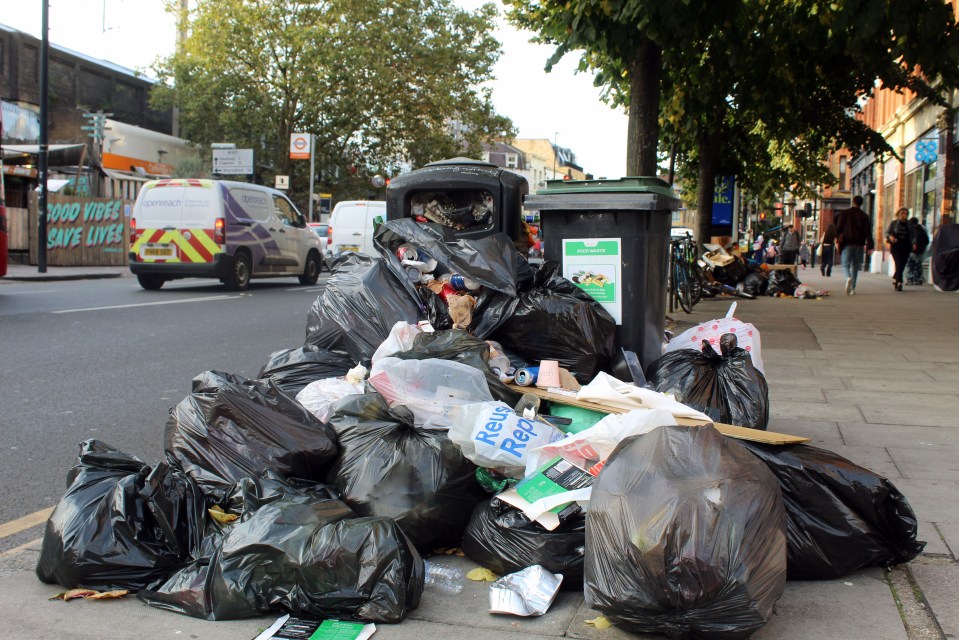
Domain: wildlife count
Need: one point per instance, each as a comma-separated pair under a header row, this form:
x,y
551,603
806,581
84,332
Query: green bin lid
x,y
633,193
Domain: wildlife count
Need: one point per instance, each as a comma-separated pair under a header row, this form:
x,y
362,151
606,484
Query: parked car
x,y
322,229
233,231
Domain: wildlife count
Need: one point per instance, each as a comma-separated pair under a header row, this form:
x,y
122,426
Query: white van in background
x,y
233,231
352,225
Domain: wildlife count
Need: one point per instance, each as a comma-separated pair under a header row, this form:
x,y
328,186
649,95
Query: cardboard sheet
x,y
743,433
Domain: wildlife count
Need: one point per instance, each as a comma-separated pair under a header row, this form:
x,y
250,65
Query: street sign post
x,y
233,161
283,182
301,148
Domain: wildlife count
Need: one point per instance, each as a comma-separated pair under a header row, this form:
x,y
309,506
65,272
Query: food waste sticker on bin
x,y
595,265
549,496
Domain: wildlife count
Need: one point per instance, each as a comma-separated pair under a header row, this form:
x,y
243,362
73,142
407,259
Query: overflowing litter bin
x,y
612,239
473,198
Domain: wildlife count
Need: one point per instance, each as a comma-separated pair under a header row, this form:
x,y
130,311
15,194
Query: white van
x,y
352,224
233,231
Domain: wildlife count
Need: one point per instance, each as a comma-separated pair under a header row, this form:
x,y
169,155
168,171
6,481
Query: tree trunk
x,y
709,147
642,135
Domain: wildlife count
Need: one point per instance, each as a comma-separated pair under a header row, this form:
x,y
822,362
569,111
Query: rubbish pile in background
x,y
731,268
318,488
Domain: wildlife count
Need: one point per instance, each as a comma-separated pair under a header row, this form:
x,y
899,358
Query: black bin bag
x,y
756,283
293,369
839,516
685,536
296,549
556,320
361,303
492,262
417,476
727,387
121,524
230,428
502,539
782,281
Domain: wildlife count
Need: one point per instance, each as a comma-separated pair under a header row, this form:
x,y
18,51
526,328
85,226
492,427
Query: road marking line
x,y
305,289
24,523
148,304
22,547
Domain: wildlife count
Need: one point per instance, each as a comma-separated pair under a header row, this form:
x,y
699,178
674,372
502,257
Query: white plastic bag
x,y
320,396
593,445
400,339
429,388
493,436
613,392
747,337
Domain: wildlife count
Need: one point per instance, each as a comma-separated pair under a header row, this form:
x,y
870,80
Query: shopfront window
x,y
912,195
889,203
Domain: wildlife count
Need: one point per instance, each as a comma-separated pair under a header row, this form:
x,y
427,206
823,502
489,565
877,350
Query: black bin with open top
x,y
612,239
472,198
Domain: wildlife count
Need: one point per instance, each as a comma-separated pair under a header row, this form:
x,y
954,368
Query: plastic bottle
x,y
443,579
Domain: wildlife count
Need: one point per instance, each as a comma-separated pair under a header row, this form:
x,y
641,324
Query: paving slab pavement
x,y
841,342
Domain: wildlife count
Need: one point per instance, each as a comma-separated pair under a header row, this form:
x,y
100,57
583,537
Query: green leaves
x,y
378,83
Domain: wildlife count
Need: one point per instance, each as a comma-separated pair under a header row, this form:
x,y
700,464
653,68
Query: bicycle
x,y
685,283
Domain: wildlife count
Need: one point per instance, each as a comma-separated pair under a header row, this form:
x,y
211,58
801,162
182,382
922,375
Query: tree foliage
x,y
762,88
382,86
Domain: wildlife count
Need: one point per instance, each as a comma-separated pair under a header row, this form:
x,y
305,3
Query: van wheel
x,y
239,277
150,282
311,273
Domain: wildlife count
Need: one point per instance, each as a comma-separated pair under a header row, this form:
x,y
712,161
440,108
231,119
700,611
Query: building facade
x,y
135,145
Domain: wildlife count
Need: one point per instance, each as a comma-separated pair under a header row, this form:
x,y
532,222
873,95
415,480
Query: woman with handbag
x,y
900,245
827,249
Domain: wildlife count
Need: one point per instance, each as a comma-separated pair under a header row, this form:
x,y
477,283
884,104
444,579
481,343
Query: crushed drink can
x,y
461,283
407,252
414,274
526,377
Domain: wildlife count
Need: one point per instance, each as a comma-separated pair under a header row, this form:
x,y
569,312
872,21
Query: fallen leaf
x,y
108,595
73,594
600,622
482,574
217,513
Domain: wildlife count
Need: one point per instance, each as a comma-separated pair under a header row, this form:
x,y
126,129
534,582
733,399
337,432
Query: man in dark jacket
x,y
853,234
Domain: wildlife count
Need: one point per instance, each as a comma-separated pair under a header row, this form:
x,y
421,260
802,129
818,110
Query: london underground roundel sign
x,y
299,146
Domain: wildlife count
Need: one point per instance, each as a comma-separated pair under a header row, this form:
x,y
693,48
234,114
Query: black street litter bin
x,y
612,239
473,198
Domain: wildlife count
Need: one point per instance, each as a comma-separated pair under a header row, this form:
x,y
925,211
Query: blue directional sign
x,y
723,200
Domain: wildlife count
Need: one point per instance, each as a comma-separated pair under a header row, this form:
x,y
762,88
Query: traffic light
x,y
762,215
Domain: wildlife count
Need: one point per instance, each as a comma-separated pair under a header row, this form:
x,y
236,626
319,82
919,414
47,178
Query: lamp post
x,y
42,156
555,153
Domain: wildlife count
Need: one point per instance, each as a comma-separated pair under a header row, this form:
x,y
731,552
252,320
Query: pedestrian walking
x,y
772,251
827,250
854,238
804,254
790,246
898,237
920,240
758,247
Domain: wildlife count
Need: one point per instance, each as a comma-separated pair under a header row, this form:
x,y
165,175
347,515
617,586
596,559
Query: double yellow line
x,y
22,524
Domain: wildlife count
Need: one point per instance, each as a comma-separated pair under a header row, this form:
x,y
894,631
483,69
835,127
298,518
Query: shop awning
x,y
123,175
14,150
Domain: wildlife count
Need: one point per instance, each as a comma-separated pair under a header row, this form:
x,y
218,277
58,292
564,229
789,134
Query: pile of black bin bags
x,y
688,533
534,317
